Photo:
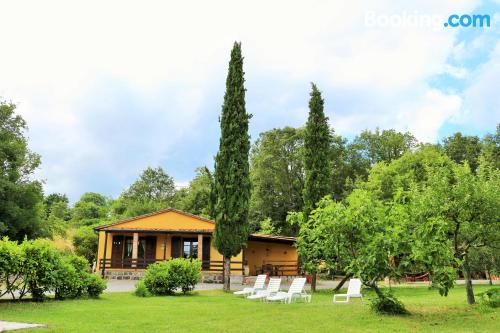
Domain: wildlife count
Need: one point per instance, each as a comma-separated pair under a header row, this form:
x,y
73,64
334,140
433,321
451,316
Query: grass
x,y
209,311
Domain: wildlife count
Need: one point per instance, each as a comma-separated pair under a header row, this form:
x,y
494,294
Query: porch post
x,y
200,246
134,249
103,268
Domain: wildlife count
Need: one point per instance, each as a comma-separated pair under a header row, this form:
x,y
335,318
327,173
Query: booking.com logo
x,y
416,19
466,20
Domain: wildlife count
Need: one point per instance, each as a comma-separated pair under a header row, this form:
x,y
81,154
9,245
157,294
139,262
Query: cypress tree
x,y
231,176
317,141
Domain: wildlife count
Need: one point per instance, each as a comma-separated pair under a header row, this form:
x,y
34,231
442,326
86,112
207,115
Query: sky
x,y
109,88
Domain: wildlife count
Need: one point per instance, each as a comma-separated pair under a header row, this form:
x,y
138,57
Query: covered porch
x,y
136,250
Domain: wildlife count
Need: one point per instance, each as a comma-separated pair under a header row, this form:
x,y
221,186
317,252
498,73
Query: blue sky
x,y
109,88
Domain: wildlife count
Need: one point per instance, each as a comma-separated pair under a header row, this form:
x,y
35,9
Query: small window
x,y
190,248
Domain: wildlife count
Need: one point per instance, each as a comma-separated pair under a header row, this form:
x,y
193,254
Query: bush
x,y
37,267
11,263
71,277
165,277
141,290
387,303
491,297
94,285
68,282
40,267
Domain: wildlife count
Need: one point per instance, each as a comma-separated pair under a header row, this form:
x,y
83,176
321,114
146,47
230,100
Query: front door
x,y
117,252
146,251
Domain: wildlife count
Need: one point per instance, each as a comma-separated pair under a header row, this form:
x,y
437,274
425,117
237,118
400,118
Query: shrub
x,y
387,303
165,277
94,285
141,290
71,277
40,267
11,263
491,297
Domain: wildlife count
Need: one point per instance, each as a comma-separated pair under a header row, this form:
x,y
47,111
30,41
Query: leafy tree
x,y
466,206
385,145
56,222
196,199
462,148
20,196
85,242
54,198
277,174
231,177
90,209
485,260
491,149
153,185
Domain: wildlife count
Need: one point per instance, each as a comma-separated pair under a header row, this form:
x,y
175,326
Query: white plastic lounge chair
x,y
260,282
296,290
354,290
272,288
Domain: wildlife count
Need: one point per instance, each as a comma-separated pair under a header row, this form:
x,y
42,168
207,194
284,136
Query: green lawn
x,y
214,311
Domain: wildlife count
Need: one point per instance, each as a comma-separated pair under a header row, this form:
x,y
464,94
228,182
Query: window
x,y
190,248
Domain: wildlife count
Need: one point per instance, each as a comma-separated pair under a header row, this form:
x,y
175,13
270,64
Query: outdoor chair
x,y
353,290
272,288
296,290
259,285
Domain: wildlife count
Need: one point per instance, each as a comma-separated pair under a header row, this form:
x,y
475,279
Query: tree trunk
x,y
227,274
313,282
342,282
468,281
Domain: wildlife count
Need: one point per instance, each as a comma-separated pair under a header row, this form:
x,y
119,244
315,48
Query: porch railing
x,y
139,263
278,267
134,264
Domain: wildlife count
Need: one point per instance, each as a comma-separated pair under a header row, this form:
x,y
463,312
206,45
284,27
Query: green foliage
x,y
197,196
20,196
317,141
62,205
37,267
385,145
70,277
277,175
11,262
40,267
461,148
231,190
388,304
153,185
267,228
164,278
94,285
91,209
491,297
141,290
85,242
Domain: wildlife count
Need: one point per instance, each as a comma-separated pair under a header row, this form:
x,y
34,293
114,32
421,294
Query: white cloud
x,y
109,87
482,105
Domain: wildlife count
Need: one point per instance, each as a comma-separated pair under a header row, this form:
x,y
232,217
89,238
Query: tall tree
x,y
277,174
317,141
20,196
317,158
231,176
